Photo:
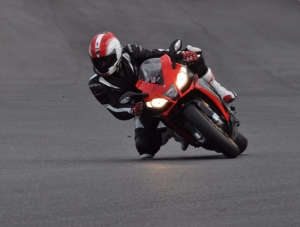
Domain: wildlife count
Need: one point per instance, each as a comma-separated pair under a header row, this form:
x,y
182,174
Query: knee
x,y
147,145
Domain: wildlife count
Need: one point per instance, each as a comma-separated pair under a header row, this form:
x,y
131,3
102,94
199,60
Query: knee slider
x,y
146,145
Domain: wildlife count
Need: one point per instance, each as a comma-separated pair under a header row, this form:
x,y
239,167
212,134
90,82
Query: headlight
x,y
182,78
157,103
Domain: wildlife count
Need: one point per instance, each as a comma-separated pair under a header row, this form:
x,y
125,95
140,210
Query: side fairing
x,y
208,91
204,85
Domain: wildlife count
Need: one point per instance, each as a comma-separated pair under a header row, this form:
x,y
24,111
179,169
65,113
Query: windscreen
x,y
150,71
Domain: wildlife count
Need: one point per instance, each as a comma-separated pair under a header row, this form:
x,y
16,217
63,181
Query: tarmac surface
x,y
66,161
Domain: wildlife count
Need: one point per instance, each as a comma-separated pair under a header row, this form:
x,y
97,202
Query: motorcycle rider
x,y
116,72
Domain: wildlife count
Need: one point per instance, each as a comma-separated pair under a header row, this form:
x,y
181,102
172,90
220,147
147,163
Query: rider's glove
x,y
138,109
190,57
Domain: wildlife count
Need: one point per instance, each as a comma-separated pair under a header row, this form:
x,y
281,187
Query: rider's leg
x,y
149,138
169,133
205,72
227,96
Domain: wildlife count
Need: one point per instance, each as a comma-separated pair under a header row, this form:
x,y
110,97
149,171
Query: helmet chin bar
x,y
110,70
115,67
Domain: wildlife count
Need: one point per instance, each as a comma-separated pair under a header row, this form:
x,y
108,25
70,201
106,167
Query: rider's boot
x,y
184,144
227,96
166,134
169,133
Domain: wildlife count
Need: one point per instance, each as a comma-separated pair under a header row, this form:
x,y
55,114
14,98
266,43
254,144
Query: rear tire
x,y
210,131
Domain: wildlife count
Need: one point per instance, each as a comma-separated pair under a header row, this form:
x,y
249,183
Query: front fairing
x,y
163,68
151,71
157,77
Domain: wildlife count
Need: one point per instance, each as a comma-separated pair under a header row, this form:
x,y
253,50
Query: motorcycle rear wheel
x,y
211,132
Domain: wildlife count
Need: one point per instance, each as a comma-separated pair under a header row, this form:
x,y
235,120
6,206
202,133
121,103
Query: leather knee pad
x,y
147,143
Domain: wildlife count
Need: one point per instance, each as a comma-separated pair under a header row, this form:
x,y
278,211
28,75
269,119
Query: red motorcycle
x,y
188,105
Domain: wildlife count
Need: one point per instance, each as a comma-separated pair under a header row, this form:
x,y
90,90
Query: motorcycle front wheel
x,y
211,132
241,141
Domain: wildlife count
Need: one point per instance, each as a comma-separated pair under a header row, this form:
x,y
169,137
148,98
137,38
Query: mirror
x,y
177,45
174,47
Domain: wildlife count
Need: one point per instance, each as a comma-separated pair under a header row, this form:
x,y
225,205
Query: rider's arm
x,y
109,97
199,67
140,54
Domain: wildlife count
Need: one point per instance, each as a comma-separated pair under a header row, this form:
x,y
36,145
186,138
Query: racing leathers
x,y
108,90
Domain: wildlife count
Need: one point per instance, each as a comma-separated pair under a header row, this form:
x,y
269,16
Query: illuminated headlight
x,y
182,78
157,103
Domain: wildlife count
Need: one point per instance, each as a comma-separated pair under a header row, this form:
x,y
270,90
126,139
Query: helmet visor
x,y
104,63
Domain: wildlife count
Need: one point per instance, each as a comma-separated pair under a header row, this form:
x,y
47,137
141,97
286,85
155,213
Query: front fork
x,y
182,127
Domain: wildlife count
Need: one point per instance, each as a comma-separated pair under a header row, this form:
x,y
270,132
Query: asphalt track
x,y
65,161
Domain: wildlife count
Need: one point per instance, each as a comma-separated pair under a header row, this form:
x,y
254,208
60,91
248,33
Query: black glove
x,y
190,57
138,109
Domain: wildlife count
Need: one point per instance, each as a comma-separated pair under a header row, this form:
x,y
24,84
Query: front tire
x,y
241,141
210,131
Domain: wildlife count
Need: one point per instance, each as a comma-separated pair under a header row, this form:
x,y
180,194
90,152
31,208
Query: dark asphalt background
x,y
66,161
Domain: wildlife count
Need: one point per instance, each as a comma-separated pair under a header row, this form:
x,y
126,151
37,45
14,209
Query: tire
x,y
241,141
210,131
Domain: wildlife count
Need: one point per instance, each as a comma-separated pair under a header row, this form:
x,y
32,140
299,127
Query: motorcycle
x,y
188,105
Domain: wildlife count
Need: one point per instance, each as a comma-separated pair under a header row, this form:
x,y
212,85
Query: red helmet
x,y
105,51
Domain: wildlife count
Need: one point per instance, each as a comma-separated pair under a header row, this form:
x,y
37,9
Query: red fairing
x,y
214,99
169,76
